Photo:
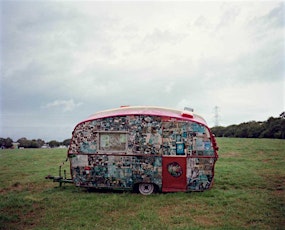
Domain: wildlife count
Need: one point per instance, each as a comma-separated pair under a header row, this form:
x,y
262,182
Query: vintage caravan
x,y
142,148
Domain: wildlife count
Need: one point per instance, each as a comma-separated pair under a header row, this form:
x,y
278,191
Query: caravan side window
x,y
112,142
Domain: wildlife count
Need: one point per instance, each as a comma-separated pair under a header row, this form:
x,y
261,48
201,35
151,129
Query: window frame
x,y
111,151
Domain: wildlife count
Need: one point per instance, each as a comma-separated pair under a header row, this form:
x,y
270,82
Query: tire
x,y
146,189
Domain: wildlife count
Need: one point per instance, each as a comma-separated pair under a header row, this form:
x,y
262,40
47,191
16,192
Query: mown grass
x,y
248,194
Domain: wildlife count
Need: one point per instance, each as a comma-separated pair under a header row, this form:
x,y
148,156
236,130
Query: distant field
x,y
248,193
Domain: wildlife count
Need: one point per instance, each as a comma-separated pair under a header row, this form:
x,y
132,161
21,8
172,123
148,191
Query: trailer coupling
x,y
60,179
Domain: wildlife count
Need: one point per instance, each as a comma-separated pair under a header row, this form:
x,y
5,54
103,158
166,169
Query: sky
x,y
62,61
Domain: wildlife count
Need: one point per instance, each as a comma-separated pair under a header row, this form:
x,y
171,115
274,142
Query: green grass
x,y
248,194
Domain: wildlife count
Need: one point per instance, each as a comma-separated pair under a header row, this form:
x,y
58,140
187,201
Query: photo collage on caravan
x,y
119,151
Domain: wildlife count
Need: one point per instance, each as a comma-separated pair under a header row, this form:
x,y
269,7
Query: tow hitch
x,y
60,179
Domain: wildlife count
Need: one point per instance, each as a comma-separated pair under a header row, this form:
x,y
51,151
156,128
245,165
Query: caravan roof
x,y
148,110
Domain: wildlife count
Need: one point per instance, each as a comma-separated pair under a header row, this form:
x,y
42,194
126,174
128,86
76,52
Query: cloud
x,y
270,20
66,60
65,105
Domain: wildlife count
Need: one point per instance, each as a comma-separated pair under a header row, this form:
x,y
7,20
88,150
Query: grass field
x,y
248,194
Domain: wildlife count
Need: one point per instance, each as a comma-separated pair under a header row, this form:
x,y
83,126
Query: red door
x,y
173,174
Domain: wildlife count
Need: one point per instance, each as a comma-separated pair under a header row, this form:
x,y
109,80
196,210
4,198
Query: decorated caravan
x,y
142,148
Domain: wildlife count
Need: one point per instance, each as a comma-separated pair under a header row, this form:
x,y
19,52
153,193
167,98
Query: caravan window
x,y
112,141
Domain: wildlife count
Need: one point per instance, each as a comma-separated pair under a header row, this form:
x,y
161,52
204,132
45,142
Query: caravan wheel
x,y
146,189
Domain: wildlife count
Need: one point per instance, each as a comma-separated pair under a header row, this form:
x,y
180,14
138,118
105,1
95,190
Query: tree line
x,y
272,128
34,143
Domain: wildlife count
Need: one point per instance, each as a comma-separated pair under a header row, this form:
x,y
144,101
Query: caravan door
x,y
174,174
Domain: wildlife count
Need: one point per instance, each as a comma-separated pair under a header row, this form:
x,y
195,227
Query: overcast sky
x,y
65,60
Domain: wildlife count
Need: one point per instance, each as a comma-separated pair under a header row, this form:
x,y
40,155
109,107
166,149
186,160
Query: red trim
x,y
187,115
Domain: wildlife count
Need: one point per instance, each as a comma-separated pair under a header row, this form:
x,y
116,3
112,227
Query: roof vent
x,y
189,109
188,112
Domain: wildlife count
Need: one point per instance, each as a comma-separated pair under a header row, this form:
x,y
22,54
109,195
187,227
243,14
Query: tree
x,y
6,142
230,131
66,142
34,143
54,143
272,128
24,142
40,143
